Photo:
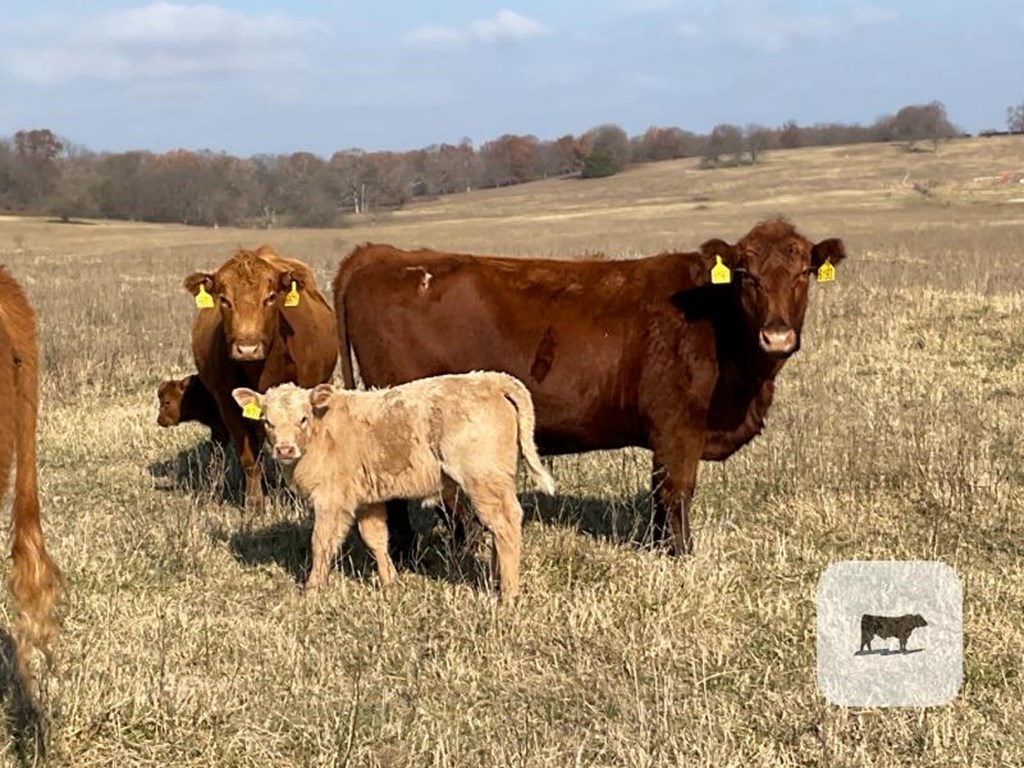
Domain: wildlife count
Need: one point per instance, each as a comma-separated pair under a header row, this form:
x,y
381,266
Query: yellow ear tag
x,y
720,273
251,410
291,299
203,299
826,272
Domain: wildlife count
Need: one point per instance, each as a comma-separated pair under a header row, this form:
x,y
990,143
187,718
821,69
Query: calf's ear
x,y
831,250
199,279
243,396
320,397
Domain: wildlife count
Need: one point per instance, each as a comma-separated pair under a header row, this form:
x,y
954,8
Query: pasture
x,y
895,434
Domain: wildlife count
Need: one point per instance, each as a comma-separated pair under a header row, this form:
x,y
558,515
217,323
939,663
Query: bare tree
x,y
1015,118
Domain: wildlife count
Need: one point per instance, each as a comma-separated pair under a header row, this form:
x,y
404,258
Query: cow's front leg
x,y
679,458
247,441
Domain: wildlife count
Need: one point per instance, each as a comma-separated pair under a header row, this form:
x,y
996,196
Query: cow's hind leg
x,y
373,529
330,527
401,537
498,510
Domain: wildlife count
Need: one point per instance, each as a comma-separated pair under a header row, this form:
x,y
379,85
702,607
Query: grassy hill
x,y
895,435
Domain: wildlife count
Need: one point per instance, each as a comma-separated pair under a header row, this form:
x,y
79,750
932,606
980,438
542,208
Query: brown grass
x,y
895,434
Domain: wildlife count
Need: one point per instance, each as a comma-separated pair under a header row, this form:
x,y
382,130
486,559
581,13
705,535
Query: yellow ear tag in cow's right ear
x,y
203,299
251,410
826,272
291,299
720,273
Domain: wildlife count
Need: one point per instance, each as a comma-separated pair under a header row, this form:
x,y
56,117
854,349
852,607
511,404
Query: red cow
x,y
35,582
647,352
267,324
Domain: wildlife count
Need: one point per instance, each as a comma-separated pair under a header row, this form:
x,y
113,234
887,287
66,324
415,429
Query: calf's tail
x,y
517,393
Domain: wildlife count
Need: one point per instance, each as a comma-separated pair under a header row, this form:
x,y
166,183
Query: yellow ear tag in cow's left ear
x,y
292,297
251,410
203,299
826,272
720,273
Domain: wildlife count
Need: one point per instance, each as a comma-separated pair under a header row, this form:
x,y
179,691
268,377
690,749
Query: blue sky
x,y
258,77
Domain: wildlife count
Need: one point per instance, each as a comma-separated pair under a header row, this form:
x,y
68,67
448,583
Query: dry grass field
x,y
895,434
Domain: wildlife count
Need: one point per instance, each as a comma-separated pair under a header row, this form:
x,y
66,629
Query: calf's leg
x,y
373,528
331,525
501,514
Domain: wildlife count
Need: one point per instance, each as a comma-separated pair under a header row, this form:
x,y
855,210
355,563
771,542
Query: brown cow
x,y
35,582
256,337
183,400
647,352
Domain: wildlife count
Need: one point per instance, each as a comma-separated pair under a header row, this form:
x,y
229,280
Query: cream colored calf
x,y
350,451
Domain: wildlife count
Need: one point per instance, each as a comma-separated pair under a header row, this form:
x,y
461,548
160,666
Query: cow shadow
x,y
888,652
286,544
622,521
209,470
26,722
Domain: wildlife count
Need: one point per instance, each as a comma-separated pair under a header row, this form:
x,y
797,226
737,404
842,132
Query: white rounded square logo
x,y
890,633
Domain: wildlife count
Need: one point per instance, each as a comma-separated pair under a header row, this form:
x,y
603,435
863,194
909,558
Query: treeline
x,y
41,173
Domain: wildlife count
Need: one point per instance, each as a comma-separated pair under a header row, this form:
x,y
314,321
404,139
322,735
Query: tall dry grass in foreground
x,y
895,434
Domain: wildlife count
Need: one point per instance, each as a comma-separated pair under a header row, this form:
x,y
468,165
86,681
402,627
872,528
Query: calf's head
x,y
249,291
288,414
771,268
170,393
917,620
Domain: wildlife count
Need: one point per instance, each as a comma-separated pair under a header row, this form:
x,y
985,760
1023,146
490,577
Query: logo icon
x,y
863,606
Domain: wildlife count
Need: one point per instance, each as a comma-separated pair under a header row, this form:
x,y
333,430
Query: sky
x,y
320,76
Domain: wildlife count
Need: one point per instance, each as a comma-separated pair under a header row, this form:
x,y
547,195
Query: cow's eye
x,y
270,298
225,302
303,421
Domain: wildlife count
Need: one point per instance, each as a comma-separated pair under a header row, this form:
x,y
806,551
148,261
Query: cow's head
x,y
170,393
249,291
287,415
918,620
771,268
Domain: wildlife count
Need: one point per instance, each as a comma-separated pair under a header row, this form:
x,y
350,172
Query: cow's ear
x,y
716,247
182,384
288,277
198,280
320,397
244,396
831,250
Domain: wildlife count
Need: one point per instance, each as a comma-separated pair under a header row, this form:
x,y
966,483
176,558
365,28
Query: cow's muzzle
x,y
779,340
286,453
165,421
242,350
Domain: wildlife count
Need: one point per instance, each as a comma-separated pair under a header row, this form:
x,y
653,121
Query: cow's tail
x,y
35,581
517,393
348,376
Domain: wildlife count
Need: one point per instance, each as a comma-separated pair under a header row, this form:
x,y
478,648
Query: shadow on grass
x,y
26,724
209,470
888,652
286,544
621,521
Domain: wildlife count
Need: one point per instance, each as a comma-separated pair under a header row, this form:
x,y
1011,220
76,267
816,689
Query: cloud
x,y
766,27
158,40
505,26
